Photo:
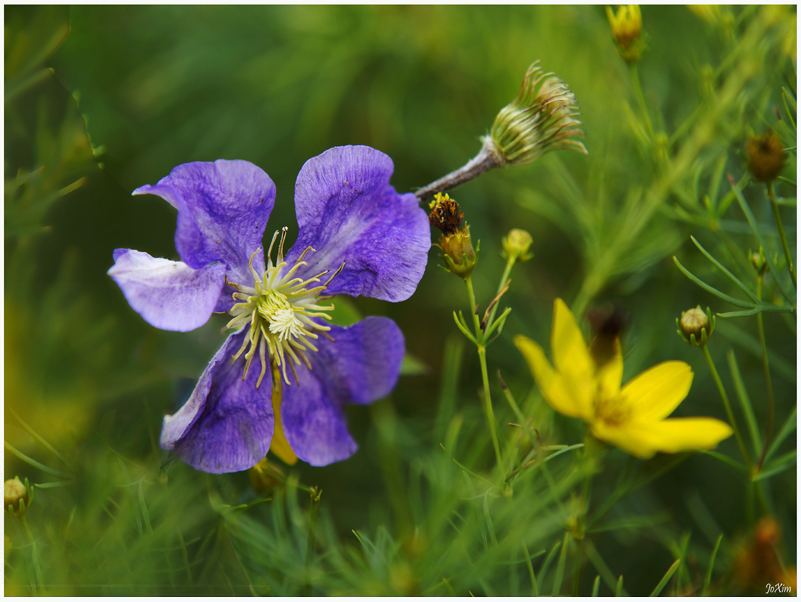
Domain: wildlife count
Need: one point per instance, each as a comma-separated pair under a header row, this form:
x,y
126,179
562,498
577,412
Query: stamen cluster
x,y
283,312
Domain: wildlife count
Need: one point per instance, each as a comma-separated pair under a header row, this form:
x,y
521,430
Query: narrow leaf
x,y
745,402
710,288
755,229
723,269
788,427
708,579
661,585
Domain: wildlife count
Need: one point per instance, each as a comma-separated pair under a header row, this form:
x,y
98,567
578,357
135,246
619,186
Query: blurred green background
x,y
100,100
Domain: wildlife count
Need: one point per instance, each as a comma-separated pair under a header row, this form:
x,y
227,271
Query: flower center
x,y
283,313
614,411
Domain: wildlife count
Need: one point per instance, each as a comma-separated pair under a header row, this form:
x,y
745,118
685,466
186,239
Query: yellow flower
x,y
632,417
627,28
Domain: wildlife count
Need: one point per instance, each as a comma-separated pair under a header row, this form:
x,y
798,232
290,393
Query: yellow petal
x,y
559,397
655,393
611,373
570,354
636,441
644,439
687,434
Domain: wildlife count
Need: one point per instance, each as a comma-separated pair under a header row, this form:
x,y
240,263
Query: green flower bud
x,y
696,326
17,496
517,244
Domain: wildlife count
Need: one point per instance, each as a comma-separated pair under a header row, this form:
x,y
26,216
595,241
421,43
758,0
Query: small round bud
x,y
695,326
758,261
517,244
15,496
765,156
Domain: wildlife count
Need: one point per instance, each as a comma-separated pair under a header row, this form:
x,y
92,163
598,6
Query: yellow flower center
x,y
614,411
282,311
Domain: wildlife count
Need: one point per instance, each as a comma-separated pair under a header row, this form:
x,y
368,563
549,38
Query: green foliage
x,y
661,216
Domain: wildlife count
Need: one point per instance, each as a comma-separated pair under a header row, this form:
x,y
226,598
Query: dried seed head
x,y
457,248
540,119
765,156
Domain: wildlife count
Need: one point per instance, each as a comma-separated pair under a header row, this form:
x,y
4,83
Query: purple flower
x,y
357,236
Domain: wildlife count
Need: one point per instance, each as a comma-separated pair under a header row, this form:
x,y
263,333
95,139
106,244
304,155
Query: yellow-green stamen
x,y
281,310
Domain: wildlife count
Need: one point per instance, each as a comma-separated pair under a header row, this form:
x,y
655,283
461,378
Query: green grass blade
x,y
661,585
710,288
548,560
788,427
781,464
745,402
560,567
708,579
51,471
535,590
725,459
723,269
596,586
755,229
619,588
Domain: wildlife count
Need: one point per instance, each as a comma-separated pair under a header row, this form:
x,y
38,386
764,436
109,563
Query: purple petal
x,y
226,425
168,294
361,366
223,209
348,212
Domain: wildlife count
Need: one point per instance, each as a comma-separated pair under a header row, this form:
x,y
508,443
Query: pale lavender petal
x,y
223,209
360,366
226,425
168,294
348,212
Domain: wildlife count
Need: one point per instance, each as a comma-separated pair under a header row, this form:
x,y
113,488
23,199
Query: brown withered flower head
x,y
765,156
457,248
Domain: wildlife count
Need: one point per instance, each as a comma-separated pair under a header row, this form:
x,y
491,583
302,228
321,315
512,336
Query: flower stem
x,y
635,81
34,554
315,494
504,277
775,205
487,158
482,358
766,367
727,405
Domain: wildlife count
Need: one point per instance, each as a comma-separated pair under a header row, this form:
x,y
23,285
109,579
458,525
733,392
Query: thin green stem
x,y
727,405
766,367
315,495
482,357
635,81
506,271
34,553
775,205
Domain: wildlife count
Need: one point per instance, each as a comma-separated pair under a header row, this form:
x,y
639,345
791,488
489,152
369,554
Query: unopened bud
x,y
627,29
758,261
457,248
765,156
696,326
16,496
517,244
